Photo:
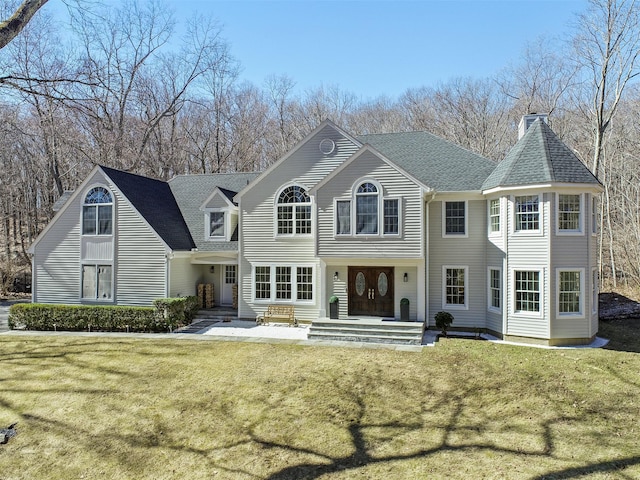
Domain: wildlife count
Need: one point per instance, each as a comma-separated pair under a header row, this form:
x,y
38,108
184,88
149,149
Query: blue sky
x,y
374,48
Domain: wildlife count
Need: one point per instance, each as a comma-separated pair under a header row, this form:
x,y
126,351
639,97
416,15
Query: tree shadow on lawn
x,y
446,420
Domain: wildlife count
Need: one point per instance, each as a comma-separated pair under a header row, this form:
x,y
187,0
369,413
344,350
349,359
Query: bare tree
x,y
607,47
23,14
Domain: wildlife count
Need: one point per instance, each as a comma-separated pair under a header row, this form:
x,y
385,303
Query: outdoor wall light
x,y
335,276
212,268
405,277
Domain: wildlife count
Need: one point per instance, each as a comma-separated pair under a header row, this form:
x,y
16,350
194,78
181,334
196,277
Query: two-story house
x,y
507,248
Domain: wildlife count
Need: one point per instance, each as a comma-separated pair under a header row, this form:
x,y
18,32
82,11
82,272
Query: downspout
x,y
167,262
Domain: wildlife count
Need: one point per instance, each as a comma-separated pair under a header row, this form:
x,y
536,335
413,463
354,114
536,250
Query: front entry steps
x,y
372,330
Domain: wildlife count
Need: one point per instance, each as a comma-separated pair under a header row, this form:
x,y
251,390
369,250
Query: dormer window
x,y
216,225
97,212
293,210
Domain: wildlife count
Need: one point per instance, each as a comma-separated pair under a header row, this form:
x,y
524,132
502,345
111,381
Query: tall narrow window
x,y
455,283
304,283
569,292
494,215
391,216
283,283
594,215
527,291
97,212
569,213
343,217
367,209
216,224
455,218
527,213
495,289
263,283
294,211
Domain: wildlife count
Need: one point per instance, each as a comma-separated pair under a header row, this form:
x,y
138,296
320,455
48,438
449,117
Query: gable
x,y
220,199
306,164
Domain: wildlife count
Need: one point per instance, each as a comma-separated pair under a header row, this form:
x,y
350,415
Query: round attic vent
x,y
327,146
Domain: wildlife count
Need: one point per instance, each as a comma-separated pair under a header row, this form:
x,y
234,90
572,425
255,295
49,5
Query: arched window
x,y
367,209
97,212
294,211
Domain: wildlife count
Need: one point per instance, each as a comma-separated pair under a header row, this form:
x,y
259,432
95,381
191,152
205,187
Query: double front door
x,y
371,291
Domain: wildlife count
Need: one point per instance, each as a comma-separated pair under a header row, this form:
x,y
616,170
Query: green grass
x,y
111,408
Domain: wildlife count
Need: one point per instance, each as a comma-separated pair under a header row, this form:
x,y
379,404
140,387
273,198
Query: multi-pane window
x,y
230,274
455,286
216,224
494,215
527,212
495,288
304,283
527,291
569,213
343,217
283,283
569,295
263,283
391,216
455,218
97,282
294,211
97,212
367,209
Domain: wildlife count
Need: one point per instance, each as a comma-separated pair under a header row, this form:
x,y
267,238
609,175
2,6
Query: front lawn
x,y
112,408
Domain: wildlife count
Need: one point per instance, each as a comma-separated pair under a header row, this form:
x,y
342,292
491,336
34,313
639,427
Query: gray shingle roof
x,y
157,205
191,191
539,157
435,162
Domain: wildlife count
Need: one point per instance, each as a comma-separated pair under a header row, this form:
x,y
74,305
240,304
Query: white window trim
x,y
98,263
490,307
294,284
528,233
335,217
113,211
207,225
500,222
512,302
353,212
450,306
293,235
444,220
581,313
569,233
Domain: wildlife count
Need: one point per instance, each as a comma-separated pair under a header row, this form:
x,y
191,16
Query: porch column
x,y
322,290
422,291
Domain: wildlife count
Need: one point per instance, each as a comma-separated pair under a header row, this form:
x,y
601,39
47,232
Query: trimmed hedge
x,y
166,315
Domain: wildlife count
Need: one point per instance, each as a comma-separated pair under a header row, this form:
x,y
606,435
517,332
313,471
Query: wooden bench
x,y
278,314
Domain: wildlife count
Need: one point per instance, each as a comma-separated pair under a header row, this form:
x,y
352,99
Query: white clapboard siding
x,y
57,260
394,185
306,166
141,263
183,277
468,252
528,251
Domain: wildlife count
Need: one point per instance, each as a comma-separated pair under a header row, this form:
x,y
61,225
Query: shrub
x,y
404,301
333,299
443,321
166,315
